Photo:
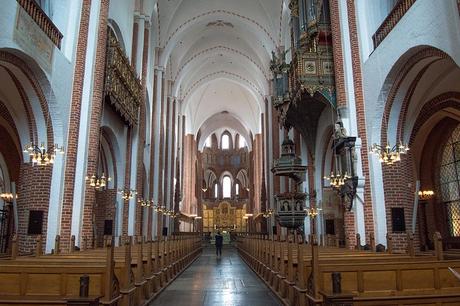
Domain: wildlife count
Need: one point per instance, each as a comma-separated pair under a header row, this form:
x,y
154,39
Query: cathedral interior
x,y
137,135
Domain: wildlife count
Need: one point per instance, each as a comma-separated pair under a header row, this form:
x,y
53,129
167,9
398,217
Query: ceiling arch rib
x,y
257,93
195,26
222,95
207,66
220,49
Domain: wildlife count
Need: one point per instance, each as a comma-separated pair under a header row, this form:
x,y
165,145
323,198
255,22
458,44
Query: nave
x,y
133,131
211,280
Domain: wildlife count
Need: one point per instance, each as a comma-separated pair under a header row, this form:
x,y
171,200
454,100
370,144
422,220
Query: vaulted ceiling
x,y
217,52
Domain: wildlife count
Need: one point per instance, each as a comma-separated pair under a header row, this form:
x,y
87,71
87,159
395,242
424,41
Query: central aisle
x,y
213,281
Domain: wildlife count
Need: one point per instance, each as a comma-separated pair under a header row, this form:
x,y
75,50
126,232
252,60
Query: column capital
x,y
147,22
159,68
137,16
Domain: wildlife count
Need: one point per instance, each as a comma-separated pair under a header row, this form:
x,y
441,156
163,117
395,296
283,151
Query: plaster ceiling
x,y
218,52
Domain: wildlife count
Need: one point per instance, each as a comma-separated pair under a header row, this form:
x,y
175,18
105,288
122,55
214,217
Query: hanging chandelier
x,y
425,194
268,213
145,203
7,196
98,182
312,212
337,180
127,194
159,208
40,155
389,155
170,213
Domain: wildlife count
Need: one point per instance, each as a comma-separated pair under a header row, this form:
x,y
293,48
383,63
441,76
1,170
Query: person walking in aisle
x,y
219,242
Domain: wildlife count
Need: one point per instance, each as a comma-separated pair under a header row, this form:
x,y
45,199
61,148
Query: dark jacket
x,y
219,240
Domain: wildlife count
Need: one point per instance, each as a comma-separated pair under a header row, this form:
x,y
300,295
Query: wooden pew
x,y
130,271
301,274
33,281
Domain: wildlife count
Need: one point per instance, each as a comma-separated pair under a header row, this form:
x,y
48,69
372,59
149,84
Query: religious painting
x,y
310,67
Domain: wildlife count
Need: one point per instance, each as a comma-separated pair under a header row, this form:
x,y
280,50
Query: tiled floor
x,y
212,281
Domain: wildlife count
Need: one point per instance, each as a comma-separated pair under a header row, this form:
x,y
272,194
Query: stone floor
x,y
225,281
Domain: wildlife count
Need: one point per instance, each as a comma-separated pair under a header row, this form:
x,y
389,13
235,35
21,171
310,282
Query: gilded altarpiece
x,y
224,216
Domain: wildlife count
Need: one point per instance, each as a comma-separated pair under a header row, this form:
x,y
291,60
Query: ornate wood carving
x,y
122,85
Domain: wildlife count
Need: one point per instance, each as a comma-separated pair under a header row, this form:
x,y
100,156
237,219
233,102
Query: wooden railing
x,y
398,11
42,20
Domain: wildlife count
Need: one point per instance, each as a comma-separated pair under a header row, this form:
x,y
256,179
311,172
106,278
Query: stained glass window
x,y
449,180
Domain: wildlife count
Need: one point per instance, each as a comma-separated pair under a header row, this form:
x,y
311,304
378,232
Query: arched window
x,y
225,144
237,189
216,191
207,143
227,187
242,142
449,181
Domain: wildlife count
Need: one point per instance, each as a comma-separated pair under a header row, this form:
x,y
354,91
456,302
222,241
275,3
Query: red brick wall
x,y
167,140
337,53
190,157
74,127
276,147
10,154
104,209
34,194
161,155
399,179
361,122
142,115
95,121
129,146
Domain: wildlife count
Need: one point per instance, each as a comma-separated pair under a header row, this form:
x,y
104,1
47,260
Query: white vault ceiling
x,y
218,52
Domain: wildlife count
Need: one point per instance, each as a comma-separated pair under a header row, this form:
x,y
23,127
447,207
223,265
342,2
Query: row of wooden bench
x,y
306,274
128,275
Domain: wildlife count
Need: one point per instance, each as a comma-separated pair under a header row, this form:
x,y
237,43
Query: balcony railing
x,y
42,20
398,11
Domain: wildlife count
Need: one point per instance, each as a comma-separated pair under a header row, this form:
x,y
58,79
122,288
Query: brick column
x,y
267,155
360,116
167,144
173,155
338,54
140,151
276,147
182,154
161,146
95,121
135,40
34,193
74,125
127,185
